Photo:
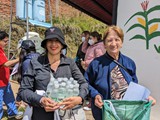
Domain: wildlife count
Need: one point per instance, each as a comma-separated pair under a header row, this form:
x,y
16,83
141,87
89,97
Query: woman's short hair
x,y
3,35
117,29
96,34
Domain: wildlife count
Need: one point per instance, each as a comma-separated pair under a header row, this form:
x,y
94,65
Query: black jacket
x,y
37,77
80,56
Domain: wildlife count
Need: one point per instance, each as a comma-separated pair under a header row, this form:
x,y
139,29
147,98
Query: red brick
x,y
64,9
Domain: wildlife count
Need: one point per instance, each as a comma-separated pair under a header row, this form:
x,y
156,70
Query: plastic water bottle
x,y
55,83
49,89
54,93
60,88
75,82
76,85
52,79
76,89
71,79
59,80
70,90
69,82
62,91
65,79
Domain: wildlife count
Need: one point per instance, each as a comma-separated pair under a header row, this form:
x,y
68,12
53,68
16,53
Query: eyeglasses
x,y
5,41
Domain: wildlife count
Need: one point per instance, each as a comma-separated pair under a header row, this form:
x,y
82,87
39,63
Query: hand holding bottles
x,y
48,104
70,102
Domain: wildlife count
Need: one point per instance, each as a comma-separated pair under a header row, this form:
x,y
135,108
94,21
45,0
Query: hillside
x,y
70,20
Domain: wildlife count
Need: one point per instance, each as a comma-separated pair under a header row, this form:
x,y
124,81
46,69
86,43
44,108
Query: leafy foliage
x,y
157,48
72,27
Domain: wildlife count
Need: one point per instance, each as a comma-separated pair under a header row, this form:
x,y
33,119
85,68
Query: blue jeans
x,y
6,96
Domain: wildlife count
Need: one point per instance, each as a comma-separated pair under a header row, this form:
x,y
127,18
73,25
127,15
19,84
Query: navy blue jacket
x,y
26,61
25,64
98,77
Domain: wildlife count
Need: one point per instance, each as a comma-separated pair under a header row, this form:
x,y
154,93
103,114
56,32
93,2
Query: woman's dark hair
x,y
22,55
96,34
86,32
3,35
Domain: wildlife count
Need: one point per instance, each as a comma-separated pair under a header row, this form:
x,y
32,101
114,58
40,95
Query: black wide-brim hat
x,y
54,32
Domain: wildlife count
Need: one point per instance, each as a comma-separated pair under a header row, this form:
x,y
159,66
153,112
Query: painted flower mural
x,y
150,26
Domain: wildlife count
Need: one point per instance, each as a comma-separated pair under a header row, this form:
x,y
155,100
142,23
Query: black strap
x,y
127,70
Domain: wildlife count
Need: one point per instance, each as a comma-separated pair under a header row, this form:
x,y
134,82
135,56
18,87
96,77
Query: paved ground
x,y
15,87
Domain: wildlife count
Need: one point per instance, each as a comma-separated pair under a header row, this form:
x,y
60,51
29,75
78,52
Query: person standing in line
x,y
52,64
95,49
108,80
80,54
6,93
92,48
28,51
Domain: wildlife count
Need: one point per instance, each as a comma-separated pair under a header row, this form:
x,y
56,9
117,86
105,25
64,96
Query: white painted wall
x,y
147,61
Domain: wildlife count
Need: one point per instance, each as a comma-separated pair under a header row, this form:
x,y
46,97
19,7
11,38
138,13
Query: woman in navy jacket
x,y
28,51
107,80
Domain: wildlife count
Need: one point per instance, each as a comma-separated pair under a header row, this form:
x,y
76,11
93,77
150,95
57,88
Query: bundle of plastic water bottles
x,y
61,88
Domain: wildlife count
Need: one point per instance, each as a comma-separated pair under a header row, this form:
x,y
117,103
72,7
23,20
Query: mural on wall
x,y
149,25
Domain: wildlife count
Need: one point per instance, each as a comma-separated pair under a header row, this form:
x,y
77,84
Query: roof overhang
x,y
102,10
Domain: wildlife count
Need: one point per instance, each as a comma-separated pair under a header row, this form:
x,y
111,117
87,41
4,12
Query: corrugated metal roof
x,y
99,9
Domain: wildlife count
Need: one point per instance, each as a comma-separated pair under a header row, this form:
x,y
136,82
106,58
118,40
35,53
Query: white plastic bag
x,y
28,113
29,109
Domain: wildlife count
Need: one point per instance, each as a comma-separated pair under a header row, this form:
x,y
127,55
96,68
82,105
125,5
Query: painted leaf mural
x,y
141,21
150,26
153,28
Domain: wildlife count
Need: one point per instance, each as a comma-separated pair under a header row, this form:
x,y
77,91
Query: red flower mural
x,y
144,5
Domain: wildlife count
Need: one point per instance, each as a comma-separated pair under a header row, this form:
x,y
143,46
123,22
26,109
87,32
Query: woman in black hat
x,y
41,70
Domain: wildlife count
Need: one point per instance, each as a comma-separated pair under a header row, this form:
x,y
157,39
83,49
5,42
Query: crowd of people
x,y
97,69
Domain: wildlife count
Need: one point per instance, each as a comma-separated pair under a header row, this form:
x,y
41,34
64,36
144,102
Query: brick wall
x,y
64,9
5,8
